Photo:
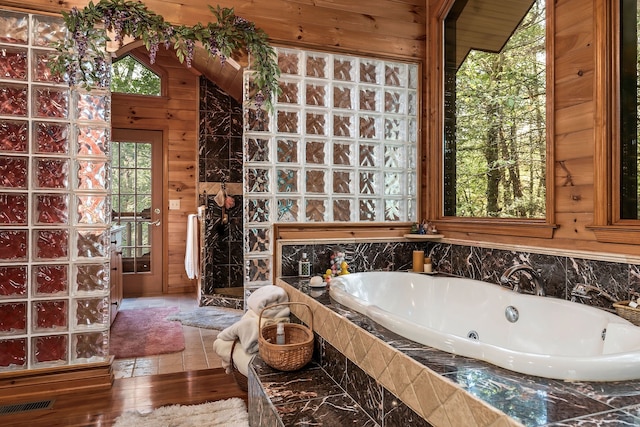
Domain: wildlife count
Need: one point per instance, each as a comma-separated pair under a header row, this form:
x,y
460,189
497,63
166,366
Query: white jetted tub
x,y
549,337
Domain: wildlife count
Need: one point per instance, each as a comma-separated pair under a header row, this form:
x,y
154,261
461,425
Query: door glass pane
x,y
132,202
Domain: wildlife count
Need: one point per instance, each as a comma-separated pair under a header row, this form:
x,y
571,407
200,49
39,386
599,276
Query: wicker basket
x,y
241,380
631,314
297,350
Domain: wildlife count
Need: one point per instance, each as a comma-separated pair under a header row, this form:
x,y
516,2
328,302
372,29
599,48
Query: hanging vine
x,y
81,55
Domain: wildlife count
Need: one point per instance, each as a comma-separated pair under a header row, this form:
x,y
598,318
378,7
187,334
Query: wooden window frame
x,y
434,175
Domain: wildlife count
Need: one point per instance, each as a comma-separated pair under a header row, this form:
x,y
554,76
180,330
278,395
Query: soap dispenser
x,y
280,334
304,266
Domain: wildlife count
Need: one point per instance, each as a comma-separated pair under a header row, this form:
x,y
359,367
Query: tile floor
x,y
198,352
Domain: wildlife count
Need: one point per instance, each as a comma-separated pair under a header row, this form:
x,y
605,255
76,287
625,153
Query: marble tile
x,y
366,391
330,411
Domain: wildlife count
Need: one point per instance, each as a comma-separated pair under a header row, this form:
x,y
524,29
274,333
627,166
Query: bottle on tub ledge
x,y
304,266
280,340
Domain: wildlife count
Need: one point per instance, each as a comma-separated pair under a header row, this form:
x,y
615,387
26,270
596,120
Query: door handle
x,y
156,223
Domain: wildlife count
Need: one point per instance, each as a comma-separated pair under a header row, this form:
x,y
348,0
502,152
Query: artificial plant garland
x,y
80,55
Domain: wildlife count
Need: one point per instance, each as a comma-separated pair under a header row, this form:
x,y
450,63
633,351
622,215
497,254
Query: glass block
x,y
315,181
412,103
393,183
287,150
13,99
315,152
51,138
92,141
342,210
13,245
92,175
395,74
51,102
394,101
258,210
412,130
343,182
316,210
93,209
316,94
51,244
316,123
51,173
92,243
258,180
288,210
13,352
394,129
51,280
343,96
368,182
258,239
412,80
259,270
50,350
48,316
288,62
91,278
287,180
51,209
256,120
13,318
367,155
343,153
91,312
370,71
392,210
93,106
317,65
89,345
394,157
48,30
41,67
288,122
257,149
344,68
14,27
367,210
369,99
290,92
13,281
369,127
343,125
14,136
13,63
13,208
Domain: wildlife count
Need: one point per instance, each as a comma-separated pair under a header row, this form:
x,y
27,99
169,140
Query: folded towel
x,y
265,296
191,256
240,357
245,330
283,318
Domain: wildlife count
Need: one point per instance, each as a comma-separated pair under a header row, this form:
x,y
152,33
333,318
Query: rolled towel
x,y
250,314
265,296
240,357
246,331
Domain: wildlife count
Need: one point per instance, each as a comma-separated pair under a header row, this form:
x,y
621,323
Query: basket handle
x,y
287,303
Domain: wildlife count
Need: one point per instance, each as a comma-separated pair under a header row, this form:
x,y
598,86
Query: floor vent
x,y
25,407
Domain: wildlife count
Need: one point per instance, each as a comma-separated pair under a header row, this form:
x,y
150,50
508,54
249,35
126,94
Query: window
x,y
129,75
495,110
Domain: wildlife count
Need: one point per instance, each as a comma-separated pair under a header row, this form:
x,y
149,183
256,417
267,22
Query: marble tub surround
x,y
452,390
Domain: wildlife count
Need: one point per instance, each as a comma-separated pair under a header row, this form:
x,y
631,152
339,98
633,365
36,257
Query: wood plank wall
x,y
398,29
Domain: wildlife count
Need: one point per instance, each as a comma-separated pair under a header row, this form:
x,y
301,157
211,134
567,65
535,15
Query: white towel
x,y
245,330
191,256
267,295
240,357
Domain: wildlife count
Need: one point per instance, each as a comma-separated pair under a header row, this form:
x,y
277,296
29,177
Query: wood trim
x,y
35,383
506,227
616,233
316,231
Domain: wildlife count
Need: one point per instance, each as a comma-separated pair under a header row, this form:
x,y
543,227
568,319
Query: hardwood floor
x,y
136,393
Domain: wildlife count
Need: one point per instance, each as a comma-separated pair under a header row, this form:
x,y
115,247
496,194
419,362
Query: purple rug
x,y
145,332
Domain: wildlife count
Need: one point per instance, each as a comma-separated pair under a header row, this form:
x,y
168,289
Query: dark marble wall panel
x,y
220,161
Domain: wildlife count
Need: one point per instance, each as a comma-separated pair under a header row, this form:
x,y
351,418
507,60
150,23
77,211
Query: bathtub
x,y
541,336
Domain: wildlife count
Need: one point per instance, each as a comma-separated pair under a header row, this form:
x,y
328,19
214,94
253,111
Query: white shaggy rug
x,y
208,317
223,413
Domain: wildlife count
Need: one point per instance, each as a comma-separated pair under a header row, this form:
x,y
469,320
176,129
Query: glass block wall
x,y
54,205
339,146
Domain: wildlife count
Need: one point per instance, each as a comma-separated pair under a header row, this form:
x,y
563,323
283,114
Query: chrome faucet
x,y
582,291
534,277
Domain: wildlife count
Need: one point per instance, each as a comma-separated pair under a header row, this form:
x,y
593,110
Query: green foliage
x,y
501,127
81,56
130,76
